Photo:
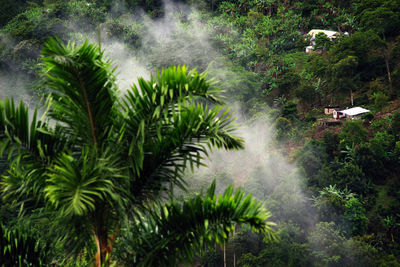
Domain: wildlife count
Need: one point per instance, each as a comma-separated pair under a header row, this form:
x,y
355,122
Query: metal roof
x,y
354,111
330,34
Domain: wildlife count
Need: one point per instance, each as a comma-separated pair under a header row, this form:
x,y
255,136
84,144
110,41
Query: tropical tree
x,y
95,160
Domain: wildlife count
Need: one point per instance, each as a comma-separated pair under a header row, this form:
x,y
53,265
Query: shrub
x,y
310,118
380,100
367,117
289,110
354,213
282,126
395,126
352,132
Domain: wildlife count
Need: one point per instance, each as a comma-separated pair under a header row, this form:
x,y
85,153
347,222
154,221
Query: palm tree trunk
x,y
98,253
103,248
101,237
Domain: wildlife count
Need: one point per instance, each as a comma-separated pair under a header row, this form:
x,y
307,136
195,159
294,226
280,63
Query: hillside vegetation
x,y
332,190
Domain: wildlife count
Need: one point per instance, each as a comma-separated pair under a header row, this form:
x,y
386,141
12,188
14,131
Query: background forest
x,y
333,191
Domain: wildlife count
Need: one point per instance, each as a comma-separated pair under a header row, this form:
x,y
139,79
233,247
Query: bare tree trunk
x,y
224,255
351,97
388,73
234,252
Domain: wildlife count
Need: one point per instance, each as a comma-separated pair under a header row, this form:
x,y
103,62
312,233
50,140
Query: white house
x,y
330,34
351,113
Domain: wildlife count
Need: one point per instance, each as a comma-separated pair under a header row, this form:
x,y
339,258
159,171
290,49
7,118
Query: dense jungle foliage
x,y
323,193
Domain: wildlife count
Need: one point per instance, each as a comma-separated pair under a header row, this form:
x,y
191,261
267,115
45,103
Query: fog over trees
x,y
205,133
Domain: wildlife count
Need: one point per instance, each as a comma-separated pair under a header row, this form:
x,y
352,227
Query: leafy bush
x,y
283,127
354,213
395,124
331,143
371,165
311,157
380,100
369,116
384,124
353,132
289,110
34,24
352,177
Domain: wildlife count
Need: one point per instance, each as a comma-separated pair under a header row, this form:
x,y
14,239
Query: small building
x,y
330,34
330,109
351,113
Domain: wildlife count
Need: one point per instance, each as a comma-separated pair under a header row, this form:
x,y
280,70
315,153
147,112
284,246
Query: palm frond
x,y
155,100
77,187
176,232
182,140
83,89
166,130
31,145
19,133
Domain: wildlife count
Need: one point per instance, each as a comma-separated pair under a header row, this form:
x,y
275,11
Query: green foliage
x,y
395,124
331,143
289,110
283,127
382,144
311,157
382,16
306,94
354,213
331,202
287,82
345,67
19,247
380,100
327,242
333,249
352,132
104,158
369,164
256,48
353,53
381,124
367,117
34,24
321,40
234,80
289,250
9,9
197,222
352,177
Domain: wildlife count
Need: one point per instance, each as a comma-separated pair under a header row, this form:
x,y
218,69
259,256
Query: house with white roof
x,y
330,34
350,113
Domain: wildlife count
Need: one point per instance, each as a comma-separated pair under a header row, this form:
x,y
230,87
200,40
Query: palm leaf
x,y
31,145
76,187
176,232
166,130
83,88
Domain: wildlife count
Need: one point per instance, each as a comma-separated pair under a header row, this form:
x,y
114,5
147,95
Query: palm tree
x,y
95,160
